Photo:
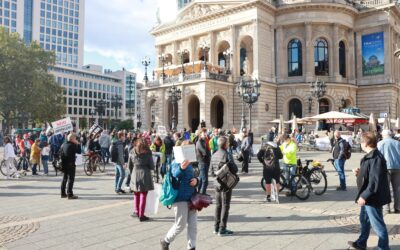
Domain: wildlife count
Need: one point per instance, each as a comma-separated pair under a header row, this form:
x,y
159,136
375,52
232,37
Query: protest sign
x,y
187,152
62,126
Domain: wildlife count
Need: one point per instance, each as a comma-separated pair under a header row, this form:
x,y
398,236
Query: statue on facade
x,y
246,67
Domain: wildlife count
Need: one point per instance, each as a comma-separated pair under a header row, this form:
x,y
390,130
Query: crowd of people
x,y
132,155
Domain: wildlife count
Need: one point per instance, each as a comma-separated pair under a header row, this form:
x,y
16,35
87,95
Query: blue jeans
x,y
289,170
45,166
105,153
372,216
339,166
203,177
119,177
168,160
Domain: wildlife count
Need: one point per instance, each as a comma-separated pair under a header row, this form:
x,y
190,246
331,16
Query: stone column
x,y
193,56
175,57
256,43
350,57
388,52
181,114
309,53
279,60
213,54
235,50
335,56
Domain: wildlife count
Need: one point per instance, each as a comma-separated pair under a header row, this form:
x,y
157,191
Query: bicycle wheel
x,y
3,168
101,165
263,183
87,167
283,183
300,187
318,181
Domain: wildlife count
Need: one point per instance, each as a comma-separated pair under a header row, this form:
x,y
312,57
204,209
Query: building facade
x,y
58,25
285,45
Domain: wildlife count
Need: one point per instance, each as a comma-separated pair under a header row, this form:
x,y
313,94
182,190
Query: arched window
x,y
243,56
324,106
295,108
321,57
221,59
295,58
342,59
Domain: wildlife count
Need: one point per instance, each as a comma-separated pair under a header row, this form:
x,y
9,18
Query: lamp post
x,y
174,95
318,90
181,54
228,53
131,101
100,108
204,46
310,103
249,91
116,103
146,63
162,59
139,123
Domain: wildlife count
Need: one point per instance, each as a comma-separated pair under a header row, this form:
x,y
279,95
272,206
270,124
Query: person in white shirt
x,y
9,156
45,158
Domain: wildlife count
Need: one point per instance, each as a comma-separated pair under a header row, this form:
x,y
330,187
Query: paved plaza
x,y
33,216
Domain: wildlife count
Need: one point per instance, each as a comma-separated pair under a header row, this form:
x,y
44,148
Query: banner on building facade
x,y
373,54
62,126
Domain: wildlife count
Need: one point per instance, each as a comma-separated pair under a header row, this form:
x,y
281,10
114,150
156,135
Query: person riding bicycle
x,y
93,148
269,156
289,151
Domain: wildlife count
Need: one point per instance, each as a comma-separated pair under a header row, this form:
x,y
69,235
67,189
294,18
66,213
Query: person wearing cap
x,y
35,156
69,151
390,148
289,152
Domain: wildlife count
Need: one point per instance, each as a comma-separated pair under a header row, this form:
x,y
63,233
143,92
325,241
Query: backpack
x,y
114,152
346,149
169,191
226,178
269,157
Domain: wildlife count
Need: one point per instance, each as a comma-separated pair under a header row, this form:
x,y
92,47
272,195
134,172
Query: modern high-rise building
x,y
58,25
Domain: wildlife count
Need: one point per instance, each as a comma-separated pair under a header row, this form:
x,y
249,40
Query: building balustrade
x,y
360,4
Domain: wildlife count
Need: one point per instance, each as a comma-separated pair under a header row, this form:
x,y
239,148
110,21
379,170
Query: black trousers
x,y
245,163
223,200
69,175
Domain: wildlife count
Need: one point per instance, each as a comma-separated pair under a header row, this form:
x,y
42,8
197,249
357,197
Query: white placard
x,y
62,126
162,131
95,129
187,152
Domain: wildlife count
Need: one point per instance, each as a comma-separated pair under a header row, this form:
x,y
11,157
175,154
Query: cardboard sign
x,y
162,131
95,129
187,152
62,126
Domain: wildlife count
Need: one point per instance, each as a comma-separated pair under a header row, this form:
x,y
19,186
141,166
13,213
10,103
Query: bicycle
x,y
3,168
23,163
298,185
93,161
316,175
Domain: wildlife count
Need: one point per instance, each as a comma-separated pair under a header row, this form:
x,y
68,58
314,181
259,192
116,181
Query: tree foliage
x,y
25,84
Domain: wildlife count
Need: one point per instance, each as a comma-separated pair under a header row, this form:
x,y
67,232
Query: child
x,y
45,157
9,156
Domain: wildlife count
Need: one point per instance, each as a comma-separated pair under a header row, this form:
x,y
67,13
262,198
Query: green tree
x,y
83,122
25,84
126,124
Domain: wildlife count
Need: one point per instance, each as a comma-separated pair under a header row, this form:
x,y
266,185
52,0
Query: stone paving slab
x,y
100,218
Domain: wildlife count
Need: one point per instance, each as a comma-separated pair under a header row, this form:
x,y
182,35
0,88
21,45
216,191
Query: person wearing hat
x,y
35,156
390,148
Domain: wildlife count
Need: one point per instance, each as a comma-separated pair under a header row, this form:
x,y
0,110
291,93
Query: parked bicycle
x,y
93,162
23,163
4,170
315,175
298,185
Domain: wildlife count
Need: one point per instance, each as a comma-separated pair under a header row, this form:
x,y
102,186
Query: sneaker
x,y
354,245
268,198
144,218
120,191
134,215
64,196
164,245
225,232
216,231
72,197
341,189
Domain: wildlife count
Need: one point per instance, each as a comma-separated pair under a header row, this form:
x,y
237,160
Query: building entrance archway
x,y
295,108
217,112
194,113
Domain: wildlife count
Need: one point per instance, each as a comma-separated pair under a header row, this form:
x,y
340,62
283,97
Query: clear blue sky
x,y
117,33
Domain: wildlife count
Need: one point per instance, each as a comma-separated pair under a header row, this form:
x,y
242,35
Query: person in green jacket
x,y
159,147
289,151
213,142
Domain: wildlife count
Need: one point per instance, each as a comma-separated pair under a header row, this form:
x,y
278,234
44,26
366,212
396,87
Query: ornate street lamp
x,y
146,63
131,103
318,90
249,91
100,108
205,47
174,95
181,54
139,123
162,59
116,103
310,103
228,53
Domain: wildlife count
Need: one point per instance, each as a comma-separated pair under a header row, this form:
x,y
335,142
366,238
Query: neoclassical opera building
x,y
284,45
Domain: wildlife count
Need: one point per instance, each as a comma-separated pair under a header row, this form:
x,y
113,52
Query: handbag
x,y
199,201
226,178
240,157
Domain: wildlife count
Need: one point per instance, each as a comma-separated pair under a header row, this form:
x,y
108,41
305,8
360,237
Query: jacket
x,y
390,149
141,166
183,176
169,144
105,141
289,151
277,153
9,151
375,186
218,159
161,150
202,153
69,152
35,153
213,143
120,146
338,149
246,146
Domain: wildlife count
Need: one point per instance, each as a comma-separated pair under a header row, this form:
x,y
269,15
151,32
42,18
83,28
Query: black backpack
x,y
114,152
346,149
269,157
